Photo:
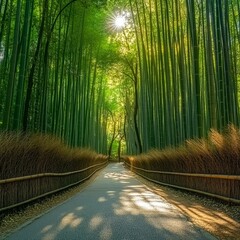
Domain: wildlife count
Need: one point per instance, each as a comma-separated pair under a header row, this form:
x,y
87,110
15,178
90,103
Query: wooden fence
x,y
224,187
17,191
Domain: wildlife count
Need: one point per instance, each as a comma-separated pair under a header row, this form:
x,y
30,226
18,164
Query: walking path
x,y
115,206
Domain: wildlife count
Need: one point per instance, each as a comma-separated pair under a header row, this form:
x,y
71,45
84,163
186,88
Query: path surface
x,y
115,206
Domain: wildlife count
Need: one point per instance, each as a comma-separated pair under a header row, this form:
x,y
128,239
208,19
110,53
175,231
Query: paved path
x,y
115,206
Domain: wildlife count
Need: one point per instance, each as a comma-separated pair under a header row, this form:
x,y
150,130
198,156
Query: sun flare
x,y
119,21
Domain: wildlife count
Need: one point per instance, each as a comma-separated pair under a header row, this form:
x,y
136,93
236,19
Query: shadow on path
x,y
115,206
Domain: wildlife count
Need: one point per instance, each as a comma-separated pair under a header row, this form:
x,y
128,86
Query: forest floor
x,y
220,219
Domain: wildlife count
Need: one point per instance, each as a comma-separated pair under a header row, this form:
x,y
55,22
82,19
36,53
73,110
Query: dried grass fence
x,y
210,166
223,187
21,190
35,165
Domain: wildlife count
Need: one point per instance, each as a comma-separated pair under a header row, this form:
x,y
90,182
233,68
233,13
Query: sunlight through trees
x,y
123,74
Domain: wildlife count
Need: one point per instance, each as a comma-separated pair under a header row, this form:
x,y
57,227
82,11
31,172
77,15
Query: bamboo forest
x,y
154,83
149,74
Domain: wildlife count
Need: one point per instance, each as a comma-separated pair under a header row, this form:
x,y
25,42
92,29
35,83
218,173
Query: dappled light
x,y
46,229
102,199
70,220
210,219
95,222
140,198
152,84
117,176
129,211
119,77
106,233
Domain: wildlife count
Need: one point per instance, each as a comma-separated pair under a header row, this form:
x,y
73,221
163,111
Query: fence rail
x,y
18,191
224,187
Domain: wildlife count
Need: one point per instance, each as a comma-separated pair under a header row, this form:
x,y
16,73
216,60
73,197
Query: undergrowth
x,y
218,154
27,154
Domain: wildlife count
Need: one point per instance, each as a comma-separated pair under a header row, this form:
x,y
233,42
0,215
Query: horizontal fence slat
x,y
232,177
47,175
206,176
40,176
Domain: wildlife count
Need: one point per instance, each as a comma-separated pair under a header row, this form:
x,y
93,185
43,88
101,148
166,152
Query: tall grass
x,y
28,154
218,154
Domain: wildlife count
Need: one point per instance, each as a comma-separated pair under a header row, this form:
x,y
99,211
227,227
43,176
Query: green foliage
x,y
56,75
169,75
186,80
